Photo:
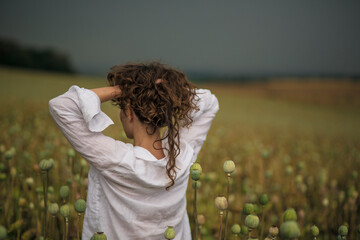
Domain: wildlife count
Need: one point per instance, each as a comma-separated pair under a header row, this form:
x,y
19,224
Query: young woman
x,y
136,191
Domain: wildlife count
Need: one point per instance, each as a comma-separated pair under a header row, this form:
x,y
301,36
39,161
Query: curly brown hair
x,y
161,97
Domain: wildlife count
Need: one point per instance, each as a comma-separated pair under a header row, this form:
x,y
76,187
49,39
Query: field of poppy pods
x,y
281,161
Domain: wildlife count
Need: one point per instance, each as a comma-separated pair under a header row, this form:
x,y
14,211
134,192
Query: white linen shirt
x,y
126,196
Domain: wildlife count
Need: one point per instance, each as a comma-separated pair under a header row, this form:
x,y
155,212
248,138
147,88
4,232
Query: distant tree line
x,y
14,54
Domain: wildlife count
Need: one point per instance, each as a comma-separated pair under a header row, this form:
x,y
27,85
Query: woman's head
x,y
160,97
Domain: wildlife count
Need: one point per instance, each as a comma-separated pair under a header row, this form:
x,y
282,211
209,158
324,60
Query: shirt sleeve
x,y
79,117
196,134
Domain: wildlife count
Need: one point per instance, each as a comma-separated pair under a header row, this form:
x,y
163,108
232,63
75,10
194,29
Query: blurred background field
x,y
297,141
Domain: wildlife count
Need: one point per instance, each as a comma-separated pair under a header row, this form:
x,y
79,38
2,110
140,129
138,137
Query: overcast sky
x,y
234,37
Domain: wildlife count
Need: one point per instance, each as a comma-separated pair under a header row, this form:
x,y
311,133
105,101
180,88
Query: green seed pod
x,y
51,189
169,233
65,211
236,229
53,208
46,165
263,199
290,215
221,203
2,176
343,230
29,181
71,153
229,166
289,230
22,202
80,205
13,172
31,206
252,221
289,170
248,208
301,166
77,177
3,232
195,175
314,231
68,181
265,154
244,230
256,209
268,173
198,184
99,236
64,191
200,219
273,231
196,166
83,162
9,154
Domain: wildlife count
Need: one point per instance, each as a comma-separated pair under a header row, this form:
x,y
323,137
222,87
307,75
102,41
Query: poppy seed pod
x,y
80,205
195,175
289,215
9,154
29,181
3,233
289,230
200,219
263,199
244,230
314,231
229,166
169,233
273,231
248,208
13,172
221,203
64,191
99,236
196,166
252,221
2,176
236,229
22,202
343,230
65,211
53,209
46,165
71,153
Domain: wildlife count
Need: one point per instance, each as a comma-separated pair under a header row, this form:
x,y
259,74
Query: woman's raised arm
x,y
107,93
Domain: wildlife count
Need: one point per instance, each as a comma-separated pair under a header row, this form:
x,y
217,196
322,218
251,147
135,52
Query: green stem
x,y
66,228
227,209
19,230
45,181
53,227
195,211
78,226
263,222
221,220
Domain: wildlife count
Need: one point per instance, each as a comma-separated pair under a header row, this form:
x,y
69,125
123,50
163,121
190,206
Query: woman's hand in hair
x,y
107,93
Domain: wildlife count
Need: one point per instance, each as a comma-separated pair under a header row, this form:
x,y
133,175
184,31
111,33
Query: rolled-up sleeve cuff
x,y
89,104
